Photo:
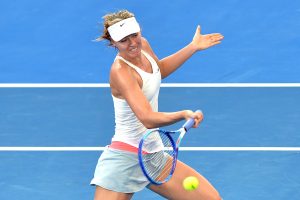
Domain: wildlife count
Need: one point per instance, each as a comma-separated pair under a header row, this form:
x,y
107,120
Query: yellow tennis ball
x,y
190,183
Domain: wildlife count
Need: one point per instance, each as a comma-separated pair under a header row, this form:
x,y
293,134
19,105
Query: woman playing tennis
x,y
135,79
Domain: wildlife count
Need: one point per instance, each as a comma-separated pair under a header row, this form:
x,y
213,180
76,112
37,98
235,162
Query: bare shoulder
x,y
145,42
119,70
147,47
122,79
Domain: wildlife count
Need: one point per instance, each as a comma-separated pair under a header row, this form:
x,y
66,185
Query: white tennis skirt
x,y
119,171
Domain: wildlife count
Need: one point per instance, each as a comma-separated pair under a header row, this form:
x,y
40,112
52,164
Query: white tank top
x,y
128,128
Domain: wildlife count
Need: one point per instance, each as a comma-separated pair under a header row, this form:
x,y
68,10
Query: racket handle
x,y
190,123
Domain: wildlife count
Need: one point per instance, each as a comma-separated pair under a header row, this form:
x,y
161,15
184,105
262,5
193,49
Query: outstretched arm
x,y
199,42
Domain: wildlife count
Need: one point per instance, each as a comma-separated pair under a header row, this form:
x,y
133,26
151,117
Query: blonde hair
x,y
110,19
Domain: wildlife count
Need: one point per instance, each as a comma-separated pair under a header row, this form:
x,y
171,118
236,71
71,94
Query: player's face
x,y
130,46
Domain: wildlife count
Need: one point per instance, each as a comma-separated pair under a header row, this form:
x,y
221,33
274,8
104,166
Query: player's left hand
x,y
202,42
197,116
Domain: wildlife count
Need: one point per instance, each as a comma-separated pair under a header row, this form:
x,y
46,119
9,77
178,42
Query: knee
x,y
216,196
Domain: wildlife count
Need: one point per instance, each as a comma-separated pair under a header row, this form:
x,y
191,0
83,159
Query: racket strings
x,y
159,165
166,171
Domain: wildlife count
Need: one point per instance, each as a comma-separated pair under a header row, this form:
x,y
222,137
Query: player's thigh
x,y
104,194
174,190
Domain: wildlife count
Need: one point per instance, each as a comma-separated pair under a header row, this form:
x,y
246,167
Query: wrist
x,y
187,114
193,47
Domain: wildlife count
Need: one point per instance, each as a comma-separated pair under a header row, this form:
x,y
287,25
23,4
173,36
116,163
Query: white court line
x,y
105,85
219,85
54,85
181,149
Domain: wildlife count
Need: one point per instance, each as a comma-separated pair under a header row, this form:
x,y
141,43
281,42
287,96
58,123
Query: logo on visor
x,y
122,24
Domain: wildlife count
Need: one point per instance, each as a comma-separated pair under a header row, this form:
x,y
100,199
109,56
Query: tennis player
x,y
135,79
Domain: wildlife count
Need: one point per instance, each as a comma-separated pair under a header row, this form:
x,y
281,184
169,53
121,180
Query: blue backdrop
x,y
52,41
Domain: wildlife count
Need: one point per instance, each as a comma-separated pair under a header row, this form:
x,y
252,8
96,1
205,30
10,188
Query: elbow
x,y
145,119
148,124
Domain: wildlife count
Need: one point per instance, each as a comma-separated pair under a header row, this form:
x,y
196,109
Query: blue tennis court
x,y
248,88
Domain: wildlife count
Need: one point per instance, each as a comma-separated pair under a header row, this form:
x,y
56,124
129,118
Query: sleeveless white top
x,y
128,128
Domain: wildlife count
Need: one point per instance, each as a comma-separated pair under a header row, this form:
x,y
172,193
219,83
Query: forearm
x,y
174,61
160,119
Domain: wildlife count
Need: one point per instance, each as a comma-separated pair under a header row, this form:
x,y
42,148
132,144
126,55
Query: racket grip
x,y
190,123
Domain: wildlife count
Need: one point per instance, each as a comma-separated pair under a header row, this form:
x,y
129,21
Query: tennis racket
x,y
158,152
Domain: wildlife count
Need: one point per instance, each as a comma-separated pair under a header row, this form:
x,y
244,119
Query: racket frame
x,y
182,131
175,155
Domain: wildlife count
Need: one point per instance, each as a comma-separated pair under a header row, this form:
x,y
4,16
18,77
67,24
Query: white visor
x,y
123,28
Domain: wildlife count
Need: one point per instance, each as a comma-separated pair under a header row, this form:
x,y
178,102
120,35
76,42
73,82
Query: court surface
x,y
35,118
56,112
